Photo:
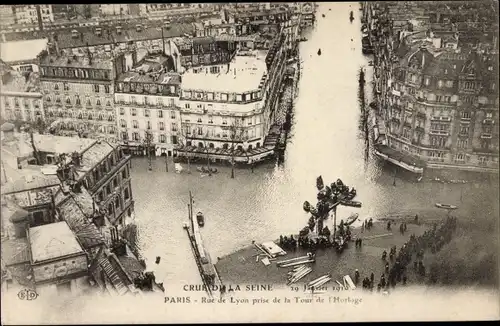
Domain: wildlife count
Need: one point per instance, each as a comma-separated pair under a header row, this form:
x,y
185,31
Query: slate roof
x,y
86,231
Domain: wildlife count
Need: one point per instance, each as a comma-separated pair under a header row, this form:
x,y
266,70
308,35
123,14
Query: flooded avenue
x,y
325,140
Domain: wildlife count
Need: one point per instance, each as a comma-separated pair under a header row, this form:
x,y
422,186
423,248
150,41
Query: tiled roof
x,y
110,35
15,251
36,181
51,241
86,232
96,153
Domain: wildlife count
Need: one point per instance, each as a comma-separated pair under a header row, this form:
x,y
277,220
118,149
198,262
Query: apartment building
x,y
33,14
20,96
227,110
147,104
78,93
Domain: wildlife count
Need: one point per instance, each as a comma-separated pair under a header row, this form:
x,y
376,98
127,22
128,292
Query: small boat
x,y
200,219
446,206
307,206
319,52
350,203
351,16
351,219
319,183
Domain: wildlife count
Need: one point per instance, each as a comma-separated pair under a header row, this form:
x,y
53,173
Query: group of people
x,y
368,224
432,240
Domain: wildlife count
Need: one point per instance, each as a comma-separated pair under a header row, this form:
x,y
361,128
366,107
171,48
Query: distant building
x,y
20,96
114,9
7,16
33,14
22,55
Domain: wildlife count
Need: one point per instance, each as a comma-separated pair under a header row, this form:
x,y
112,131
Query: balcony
x,y
443,133
421,116
486,135
488,121
441,119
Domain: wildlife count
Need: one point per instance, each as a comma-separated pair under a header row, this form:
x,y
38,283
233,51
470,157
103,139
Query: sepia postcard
x,y
249,162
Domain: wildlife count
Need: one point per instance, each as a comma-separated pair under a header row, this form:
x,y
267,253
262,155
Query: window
x,y
462,143
78,102
210,119
56,87
163,138
68,100
123,123
224,121
224,97
449,83
210,96
148,124
126,194
146,112
159,101
161,125
122,111
98,102
133,112
133,100
96,88
66,87
160,114
440,84
489,115
124,135
174,126
135,124
187,106
172,114
135,136
464,130
465,115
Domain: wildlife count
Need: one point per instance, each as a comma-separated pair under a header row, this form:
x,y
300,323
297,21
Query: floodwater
x,y
325,140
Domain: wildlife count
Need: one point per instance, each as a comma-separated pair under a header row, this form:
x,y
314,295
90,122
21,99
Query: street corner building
x,y
436,84
68,217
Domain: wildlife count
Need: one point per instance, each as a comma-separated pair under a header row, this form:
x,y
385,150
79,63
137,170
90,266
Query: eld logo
x,y
27,294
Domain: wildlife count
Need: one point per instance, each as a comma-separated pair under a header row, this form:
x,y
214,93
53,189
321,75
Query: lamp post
x,y
147,143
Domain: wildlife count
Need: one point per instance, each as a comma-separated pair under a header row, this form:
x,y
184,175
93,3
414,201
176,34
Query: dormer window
x,y
98,31
138,27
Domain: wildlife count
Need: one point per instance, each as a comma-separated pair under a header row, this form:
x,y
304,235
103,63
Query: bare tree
x,y
207,151
148,140
236,131
184,139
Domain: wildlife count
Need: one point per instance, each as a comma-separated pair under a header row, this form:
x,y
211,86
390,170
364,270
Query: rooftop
x,y
95,154
110,35
74,211
15,251
245,74
60,144
51,241
151,70
22,51
17,82
76,61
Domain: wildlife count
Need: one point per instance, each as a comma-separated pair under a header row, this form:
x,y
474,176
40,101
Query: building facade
x,y
147,104
78,93
228,110
436,93
20,96
114,9
33,14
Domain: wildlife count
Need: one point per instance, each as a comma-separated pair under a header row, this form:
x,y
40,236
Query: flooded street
x,y
325,140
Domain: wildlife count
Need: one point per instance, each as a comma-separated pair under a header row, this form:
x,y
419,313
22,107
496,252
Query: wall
x,y
67,266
